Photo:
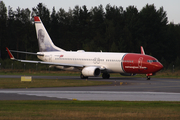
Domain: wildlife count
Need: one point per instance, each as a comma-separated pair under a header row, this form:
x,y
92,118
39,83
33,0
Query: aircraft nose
x,y
158,66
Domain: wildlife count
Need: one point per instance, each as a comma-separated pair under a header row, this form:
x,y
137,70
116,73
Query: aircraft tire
x,y
105,75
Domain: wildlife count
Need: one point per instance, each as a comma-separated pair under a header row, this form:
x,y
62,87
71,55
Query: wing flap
x,y
26,52
51,63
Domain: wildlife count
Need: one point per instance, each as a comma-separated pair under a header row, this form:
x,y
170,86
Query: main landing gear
x,y
105,75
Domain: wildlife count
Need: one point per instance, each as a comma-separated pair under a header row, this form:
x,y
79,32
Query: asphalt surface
x,y
122,88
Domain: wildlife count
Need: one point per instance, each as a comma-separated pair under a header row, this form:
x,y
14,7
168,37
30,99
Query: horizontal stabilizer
x,y
26,52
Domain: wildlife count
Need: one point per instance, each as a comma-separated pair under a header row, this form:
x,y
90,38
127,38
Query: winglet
x,y
10,54
142,50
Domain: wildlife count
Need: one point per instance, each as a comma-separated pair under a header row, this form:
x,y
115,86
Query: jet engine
x,y
91,71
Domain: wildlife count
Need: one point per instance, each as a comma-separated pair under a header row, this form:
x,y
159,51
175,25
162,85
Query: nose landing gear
x,y
148,75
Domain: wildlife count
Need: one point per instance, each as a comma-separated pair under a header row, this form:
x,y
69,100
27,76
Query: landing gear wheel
x,y
148,78
83,77
105,75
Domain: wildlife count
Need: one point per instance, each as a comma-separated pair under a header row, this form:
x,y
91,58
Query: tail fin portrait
x,y
44,40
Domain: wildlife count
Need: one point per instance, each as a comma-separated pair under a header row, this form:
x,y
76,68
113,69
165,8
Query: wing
x,y
50,63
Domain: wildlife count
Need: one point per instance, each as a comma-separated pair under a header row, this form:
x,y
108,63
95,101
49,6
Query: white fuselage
x,y
111,61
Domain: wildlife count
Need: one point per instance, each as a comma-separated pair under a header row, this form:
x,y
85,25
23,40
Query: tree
x,y
114,26
54,29
43,12
3,27
114,47
177,63
153,29
98,27
131,28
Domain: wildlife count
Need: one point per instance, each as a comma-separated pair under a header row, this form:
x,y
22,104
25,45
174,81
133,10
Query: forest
x,y
102,28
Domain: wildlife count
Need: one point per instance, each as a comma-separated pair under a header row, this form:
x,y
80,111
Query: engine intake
x,y
91,71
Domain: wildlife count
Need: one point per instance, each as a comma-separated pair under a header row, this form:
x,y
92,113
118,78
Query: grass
x,y
168,74
88,110
39,83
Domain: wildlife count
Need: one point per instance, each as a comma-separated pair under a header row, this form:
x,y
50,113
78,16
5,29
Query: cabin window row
x,y
109,60
79,59
127,61
95,59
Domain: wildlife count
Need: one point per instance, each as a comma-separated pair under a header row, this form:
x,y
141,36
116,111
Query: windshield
x,y
150,61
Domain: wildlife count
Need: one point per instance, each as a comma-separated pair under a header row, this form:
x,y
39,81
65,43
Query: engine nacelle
x,y
91,71
127,74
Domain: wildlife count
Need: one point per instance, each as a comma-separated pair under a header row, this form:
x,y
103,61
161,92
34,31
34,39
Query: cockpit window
x,y
150,61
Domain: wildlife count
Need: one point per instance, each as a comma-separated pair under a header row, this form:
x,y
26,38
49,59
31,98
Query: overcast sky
x,y
172,7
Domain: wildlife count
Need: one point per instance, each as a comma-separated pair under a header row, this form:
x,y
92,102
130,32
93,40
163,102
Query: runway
x,y
132,89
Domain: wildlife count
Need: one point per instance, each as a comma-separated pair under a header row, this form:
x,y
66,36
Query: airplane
x,y
90,64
